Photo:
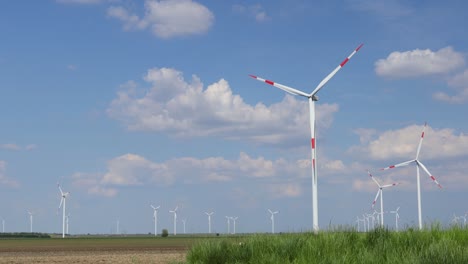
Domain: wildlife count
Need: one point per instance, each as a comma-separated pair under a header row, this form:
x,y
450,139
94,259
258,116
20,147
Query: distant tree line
x,y
24,235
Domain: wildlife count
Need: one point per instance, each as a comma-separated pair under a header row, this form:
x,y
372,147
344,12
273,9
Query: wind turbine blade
x,y
157,207
61,202
282,87
154,208
177,207
329,76
376,197
270,211
61,192
372,177
406,163
420,141
428,173
390,185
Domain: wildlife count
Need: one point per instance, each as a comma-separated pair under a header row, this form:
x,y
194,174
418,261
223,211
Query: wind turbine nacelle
x,y
315,98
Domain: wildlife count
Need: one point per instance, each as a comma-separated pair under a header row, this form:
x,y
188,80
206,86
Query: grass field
x,y
378,246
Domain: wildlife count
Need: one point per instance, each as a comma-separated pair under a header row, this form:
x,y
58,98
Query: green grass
x,y
379,246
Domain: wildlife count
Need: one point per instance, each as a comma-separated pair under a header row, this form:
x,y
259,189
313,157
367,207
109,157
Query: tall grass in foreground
x,y
378,246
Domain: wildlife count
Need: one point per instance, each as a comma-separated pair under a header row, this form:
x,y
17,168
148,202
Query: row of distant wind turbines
x,y
209,214
312,98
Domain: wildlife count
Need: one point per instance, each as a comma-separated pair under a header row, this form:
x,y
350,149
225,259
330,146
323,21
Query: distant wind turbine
x,y
418,165
380,192
272,218
175,219
155,218
397,217
209,221
31,220
63,202
228,224
234,224
312,99
183,223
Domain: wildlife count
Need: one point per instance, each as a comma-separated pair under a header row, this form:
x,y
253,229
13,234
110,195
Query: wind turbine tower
x,y
228,224
209,221
31,220
272,220
312,98
63,202
175,219
183,223
234,224
155,218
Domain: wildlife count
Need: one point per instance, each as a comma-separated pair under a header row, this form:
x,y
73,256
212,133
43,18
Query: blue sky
x,y
131,103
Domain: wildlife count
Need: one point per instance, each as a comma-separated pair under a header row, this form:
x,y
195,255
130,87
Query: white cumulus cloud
x,y
167,18
402,144
419,63
185,108
460,84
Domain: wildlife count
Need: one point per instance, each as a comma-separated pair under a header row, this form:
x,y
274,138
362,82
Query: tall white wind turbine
x,y
397,217
31,220
380,193
63,202
418,165
175,219
272,218
209,221
312,99
155,218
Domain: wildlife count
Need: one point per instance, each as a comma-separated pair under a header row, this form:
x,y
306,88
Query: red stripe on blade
x,y
358,48
422,135
433,178
391,167
344,62
253,76
312,142
269,82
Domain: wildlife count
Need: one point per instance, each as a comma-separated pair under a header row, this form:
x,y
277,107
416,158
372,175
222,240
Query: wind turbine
x,y
380,192
155,217
31,220
228,224
175,219
183,223
234,224
272,220
63,201
397,217
312,99
209,221
418,165
118,227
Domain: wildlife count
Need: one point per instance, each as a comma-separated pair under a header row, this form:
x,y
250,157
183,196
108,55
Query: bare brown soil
x,y
94,256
